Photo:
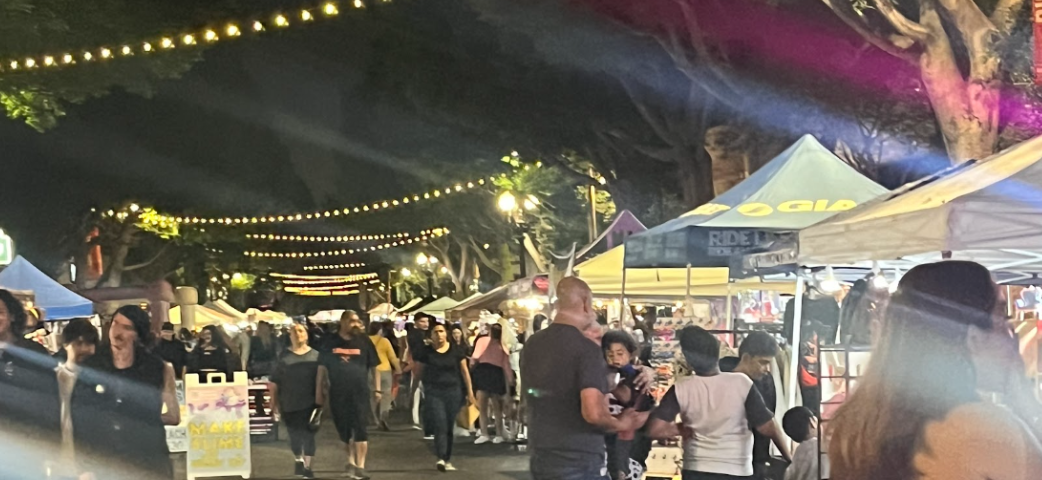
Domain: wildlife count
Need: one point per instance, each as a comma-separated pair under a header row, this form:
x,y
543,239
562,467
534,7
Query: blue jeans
x,y
567,466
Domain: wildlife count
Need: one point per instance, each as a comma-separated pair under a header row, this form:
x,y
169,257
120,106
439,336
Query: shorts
x,y
489,379
351,418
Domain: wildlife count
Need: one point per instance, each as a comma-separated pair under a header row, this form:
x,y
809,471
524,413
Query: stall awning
x,y
438,307
603,274
988,211
58,302
802,186
203,316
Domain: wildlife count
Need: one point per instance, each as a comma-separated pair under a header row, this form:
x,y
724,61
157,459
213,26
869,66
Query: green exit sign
x,y
6,249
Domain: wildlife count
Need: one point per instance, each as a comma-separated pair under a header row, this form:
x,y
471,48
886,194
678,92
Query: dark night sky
x,y
261,125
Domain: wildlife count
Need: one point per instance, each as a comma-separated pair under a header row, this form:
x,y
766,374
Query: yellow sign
x,y
758,209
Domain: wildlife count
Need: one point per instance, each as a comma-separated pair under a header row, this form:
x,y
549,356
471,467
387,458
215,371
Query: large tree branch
x,y
1005,15
148,262
894,44
481,255
978,34
901,23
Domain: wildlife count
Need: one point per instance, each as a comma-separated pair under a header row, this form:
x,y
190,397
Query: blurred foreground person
x,y
28,397
123,398
932,404
299,393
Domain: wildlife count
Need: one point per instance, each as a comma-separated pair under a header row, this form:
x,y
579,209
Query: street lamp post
x,y
515,213
427,264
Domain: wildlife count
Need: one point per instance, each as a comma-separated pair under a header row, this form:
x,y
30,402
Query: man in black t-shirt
x,y
349,359
755,355
565,379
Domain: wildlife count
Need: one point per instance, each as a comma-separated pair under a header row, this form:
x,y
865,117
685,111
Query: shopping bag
x,y
467,416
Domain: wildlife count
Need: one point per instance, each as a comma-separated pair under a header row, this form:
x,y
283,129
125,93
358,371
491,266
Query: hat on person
x,y
168,327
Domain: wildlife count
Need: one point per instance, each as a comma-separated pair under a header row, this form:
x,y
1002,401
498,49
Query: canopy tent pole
x,y
791,382
728,322
622,299
687,292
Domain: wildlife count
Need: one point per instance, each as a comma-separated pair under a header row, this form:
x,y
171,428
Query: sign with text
x,y
697,247
177,435
218,426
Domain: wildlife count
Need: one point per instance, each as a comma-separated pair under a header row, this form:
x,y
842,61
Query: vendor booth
x,y
57,302
987,211
438,307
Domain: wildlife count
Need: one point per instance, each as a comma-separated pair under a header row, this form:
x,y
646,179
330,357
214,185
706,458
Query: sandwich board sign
x,y
218,426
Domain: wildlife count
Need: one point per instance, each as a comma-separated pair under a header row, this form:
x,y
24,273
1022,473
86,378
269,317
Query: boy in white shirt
x,y
801,426
718,413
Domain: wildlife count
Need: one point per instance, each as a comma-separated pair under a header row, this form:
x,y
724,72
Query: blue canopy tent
x,y
57,302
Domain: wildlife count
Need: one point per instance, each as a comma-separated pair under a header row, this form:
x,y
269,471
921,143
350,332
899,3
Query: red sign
x,y
1036,10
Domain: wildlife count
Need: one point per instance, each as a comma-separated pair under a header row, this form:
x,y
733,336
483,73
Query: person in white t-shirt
x,y
718,413
802,427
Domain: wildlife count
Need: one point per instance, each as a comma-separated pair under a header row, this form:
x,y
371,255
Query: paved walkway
x,y
400,454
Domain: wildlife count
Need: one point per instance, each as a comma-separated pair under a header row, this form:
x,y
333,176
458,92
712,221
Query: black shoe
x,y
299,470
308,473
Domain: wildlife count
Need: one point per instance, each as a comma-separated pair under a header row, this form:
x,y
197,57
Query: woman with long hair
x,y
492,379
929,406
212,355
123,398
459,337
298,394
446,378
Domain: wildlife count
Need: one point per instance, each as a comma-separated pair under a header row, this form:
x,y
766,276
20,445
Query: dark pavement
x,y
400,454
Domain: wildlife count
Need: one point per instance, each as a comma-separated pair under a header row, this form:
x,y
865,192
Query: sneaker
x,y
417,427
361,474
483,439
441,466
497,440
449,467
429,437
308,473
299,469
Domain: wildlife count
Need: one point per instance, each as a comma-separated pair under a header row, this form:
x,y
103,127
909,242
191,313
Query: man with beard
x,y
349,360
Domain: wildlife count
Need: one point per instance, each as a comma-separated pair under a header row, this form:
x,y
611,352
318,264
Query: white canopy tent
x,y
438,307
204,316
988,211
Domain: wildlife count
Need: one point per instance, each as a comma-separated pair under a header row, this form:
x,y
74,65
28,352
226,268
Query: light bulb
x,y
88,56
281,21
210,36
67,58
30,63
49,61
258,27
507,202
106,53
166,43
330,9
232,31
305,15
188,39
126,50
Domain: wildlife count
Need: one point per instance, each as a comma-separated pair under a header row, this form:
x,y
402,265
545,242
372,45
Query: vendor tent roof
x,y
383,309
410,305
487,301
58,302
225,308
439,306
603,274
802,186
203,316
989,211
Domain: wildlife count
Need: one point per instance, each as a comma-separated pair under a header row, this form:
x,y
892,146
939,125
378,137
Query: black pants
x,y
301,438
441,409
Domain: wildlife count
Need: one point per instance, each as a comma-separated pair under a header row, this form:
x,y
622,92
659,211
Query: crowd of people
x,y
944,396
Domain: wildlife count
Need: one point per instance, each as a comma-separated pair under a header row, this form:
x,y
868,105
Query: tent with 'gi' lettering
x,y
802,186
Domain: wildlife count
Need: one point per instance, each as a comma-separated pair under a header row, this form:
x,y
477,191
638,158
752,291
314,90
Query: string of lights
x,y
292,278
337,266
339,238
186,39
439,232
169,220
328,288
309,283
310,293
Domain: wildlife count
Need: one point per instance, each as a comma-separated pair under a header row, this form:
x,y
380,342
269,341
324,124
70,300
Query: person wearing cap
x,y
124,396
172,350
